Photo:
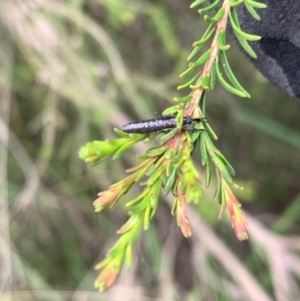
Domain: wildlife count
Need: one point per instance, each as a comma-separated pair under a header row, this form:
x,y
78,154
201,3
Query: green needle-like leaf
x,y
236,27
187,84
179,117
169,154
226,85
203,103
222,195
184,98
209,8
210,131
168,136
208,172
156,174
213,76
170,181
197,2
222,168
154,194
124,147
202,83
138,199
230,75
225,161
194,52
170,167
195,134
187,72
252,12
221,41
218,184
216,17
128,256
147,214
255,4
221,38
246,46
234,3
205,82
156,151
202,60
208,33
171,110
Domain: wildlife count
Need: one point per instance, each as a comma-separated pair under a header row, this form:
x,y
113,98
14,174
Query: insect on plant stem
x,y
153,125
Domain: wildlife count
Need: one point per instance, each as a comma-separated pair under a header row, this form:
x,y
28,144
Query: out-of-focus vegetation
x,y
70,71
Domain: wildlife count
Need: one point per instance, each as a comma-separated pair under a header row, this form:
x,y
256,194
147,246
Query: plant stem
x,y
197,93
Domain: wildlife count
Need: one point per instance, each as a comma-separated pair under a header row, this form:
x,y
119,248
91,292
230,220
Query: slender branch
x,y
221,26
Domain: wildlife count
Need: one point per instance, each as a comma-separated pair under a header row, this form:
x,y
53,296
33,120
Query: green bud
x,y
96,151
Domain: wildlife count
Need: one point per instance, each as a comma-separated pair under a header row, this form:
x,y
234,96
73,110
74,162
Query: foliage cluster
x,y
170,167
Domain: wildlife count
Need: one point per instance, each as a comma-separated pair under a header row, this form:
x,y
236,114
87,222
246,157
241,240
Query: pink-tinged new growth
x,y
111,196
106,198
181,214
109,273
106,278
183,220
238,220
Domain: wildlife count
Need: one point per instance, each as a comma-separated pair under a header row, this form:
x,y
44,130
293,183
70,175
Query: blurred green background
x,y
71,71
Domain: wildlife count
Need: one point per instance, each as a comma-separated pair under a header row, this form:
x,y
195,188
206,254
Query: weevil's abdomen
x,y
150,125
154,125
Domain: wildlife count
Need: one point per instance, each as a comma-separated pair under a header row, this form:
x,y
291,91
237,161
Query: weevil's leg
x,y
198,119
188,127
